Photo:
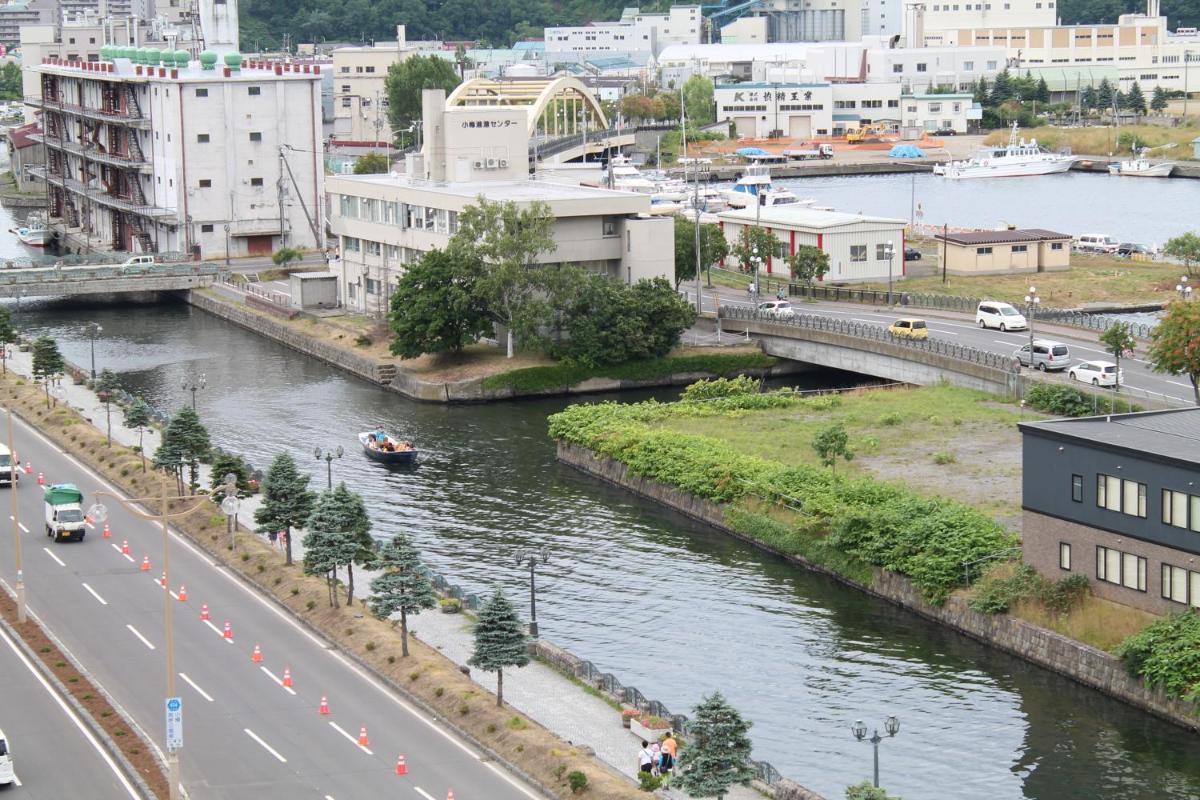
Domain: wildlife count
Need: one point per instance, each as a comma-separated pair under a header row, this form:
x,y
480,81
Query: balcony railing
x,y
132,119
95,195
91,153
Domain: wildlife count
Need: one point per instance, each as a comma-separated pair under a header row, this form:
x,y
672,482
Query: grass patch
x,y
1101,623
559,376
1103,140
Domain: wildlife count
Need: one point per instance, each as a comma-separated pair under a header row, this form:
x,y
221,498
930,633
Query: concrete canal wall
x,y
1080,662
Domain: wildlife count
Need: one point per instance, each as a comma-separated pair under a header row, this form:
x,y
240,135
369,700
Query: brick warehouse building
x,y
1117,498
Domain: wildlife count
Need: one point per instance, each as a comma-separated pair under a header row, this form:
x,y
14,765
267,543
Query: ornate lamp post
x,y
1185,291
1033,301
889,252
94,329
329,456
891,725
229,507
193,385
531,557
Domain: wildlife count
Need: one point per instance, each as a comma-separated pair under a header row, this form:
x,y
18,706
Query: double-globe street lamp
x,y
1185,291
194,384
94,330
329,456
1032,301
889,252
891,725
229,507
531,557
97,514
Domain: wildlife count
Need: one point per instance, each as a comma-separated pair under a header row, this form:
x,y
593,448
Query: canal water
x,y
666,604
1149,211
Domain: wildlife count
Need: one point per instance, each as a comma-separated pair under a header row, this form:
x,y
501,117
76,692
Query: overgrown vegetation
x,y
998,592
1166,654
560,376
1067,401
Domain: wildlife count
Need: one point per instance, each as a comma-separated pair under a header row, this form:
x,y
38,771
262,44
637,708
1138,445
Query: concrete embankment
x,y
1082,663
389,376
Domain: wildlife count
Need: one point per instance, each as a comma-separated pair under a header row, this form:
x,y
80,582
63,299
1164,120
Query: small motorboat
x,y
388,451
34,233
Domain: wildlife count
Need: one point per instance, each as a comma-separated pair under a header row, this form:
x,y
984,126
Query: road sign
x,y
174,724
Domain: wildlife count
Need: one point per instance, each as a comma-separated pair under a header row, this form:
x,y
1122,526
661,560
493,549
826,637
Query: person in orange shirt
x,y
669,748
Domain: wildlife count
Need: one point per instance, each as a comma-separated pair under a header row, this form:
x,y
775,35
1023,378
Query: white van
x,y
7,775
994,314
1096,243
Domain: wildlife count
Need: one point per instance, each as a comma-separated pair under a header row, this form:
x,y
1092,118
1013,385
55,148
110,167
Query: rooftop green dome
x,y
182,58
141,55
233,60
208,59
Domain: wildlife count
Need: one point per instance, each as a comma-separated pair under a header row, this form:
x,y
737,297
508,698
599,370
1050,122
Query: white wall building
x,y
182,155
815,21
384,222
635,33
856,243
943,15
360,97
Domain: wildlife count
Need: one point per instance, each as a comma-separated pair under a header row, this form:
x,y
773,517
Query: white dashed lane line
x,y
192,684
144,640
265,746
57,560
95,594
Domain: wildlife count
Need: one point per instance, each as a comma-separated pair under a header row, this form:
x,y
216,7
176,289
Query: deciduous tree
x,y
437,306
1185,247
402,586
698,93
1175,343
713,247
406,80
611,323
832,443
499,640
287,501
755,243
286,255
808,264
1118,339
718,755
372,163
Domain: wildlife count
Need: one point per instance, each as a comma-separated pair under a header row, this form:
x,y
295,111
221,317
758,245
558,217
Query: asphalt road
x,y
245,735
961,329
54,755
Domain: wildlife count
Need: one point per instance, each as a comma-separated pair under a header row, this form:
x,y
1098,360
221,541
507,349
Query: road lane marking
x,y
72,716
998,341
423,793
216,630
353,741
103,602
265,746
944,333
56,558
272,676
192,684
134,631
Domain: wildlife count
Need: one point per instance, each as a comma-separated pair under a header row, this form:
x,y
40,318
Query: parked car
x,y
994,314
777,309
1127,249
1097,373
946,132
912,254
1046,355
909,328
1096,243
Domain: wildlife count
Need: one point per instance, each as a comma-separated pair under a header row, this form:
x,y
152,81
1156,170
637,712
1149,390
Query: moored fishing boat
x,y
380,447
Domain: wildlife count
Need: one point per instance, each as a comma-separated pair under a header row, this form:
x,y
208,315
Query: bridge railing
x,y
862,330
57,273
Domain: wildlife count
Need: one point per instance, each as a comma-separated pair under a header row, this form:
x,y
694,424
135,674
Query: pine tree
x,y
225,463
8,335
1135,101
47,362
106,381
499,640
1089,99
137,417
1158,101
330,541
1042,93
402,587
1104,95
718,755
286,502
358,524
1001,88
980,92
187,440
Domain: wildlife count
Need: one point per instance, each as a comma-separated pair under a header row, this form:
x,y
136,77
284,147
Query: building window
x,y
1056,245
254,90
346,102
1064,556
202,138
920,66
1077,488
1020,248
1174,583
1175,506
893,104
202,93
968,66
372,286
350,244
881,252
608,226
255,136
374,248
1115,494
983,251
858,252
1122,569
206,228
256,181
897,68
205,183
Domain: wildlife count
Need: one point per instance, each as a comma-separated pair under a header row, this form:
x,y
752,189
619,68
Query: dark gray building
x,y
1117,498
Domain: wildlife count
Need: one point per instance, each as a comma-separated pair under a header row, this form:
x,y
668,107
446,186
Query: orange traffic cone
x,y
450,795
228,634
41,479
363,741
163,580
107,532
28,468
124,547
323,709
287,677
401,767
145,563
256,657
182,593
204,612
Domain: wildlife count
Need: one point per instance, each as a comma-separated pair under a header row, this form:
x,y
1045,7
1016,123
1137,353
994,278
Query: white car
x,y
1097,373
7,775
777,309
994,314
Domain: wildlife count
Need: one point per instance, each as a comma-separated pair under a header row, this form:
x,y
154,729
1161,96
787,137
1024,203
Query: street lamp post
x,y
107,398
756,260
531,557
16,520
193,385
891,725
94,329
227,245
329,456
98,513
1185,291
1033,301
229,506
889,252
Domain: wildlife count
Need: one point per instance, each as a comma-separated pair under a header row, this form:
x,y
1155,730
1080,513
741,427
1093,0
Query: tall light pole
x,y
1185,291
329,456
16,517
193,385
531,557
226,245
1033,301
229,506
94,329
891,725
98,513
889,252
106,396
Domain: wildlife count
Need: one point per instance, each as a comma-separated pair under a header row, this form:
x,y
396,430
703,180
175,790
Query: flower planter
x,y
646,734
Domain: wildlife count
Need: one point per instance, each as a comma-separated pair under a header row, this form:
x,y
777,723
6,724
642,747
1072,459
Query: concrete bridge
x,y
59,280
870,350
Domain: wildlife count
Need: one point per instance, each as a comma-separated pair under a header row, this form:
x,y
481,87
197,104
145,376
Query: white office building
x,y
814,21
636,33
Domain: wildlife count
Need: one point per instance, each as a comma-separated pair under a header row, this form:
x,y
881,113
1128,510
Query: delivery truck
x,y
64,512
10,472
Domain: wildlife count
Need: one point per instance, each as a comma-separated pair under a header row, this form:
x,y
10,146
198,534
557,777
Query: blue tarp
x,y
751,151
906,151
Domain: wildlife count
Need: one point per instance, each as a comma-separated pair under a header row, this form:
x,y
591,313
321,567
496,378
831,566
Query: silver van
x,y
1046,355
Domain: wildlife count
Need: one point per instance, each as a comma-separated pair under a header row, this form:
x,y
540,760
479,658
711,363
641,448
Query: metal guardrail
x,y
877,333
281,299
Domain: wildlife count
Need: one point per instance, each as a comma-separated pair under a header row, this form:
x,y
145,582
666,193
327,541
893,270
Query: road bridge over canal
x,y
59,280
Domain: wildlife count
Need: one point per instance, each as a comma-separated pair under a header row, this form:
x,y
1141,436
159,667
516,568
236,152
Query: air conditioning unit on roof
x,y
491,163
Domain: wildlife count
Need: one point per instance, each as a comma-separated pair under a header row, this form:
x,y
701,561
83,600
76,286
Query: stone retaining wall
x,y
1075,660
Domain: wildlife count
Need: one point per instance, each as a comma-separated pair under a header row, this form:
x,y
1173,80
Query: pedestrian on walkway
x,y
645,758
669,748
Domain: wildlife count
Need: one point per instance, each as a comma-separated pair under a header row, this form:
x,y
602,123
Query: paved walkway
x,y
538,691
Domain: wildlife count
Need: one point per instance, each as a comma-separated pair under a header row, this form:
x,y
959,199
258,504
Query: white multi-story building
x,y
815,21
152,151
942,15
636,33
384,222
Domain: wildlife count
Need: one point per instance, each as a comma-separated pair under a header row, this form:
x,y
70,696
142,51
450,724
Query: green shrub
x,y
721,387
577,781
865,791
538,379
996,595
1068,401
1166,654
648,782
1065,594
944,458
890,418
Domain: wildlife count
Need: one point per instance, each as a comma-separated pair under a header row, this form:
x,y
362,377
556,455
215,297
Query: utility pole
x,y
282,232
